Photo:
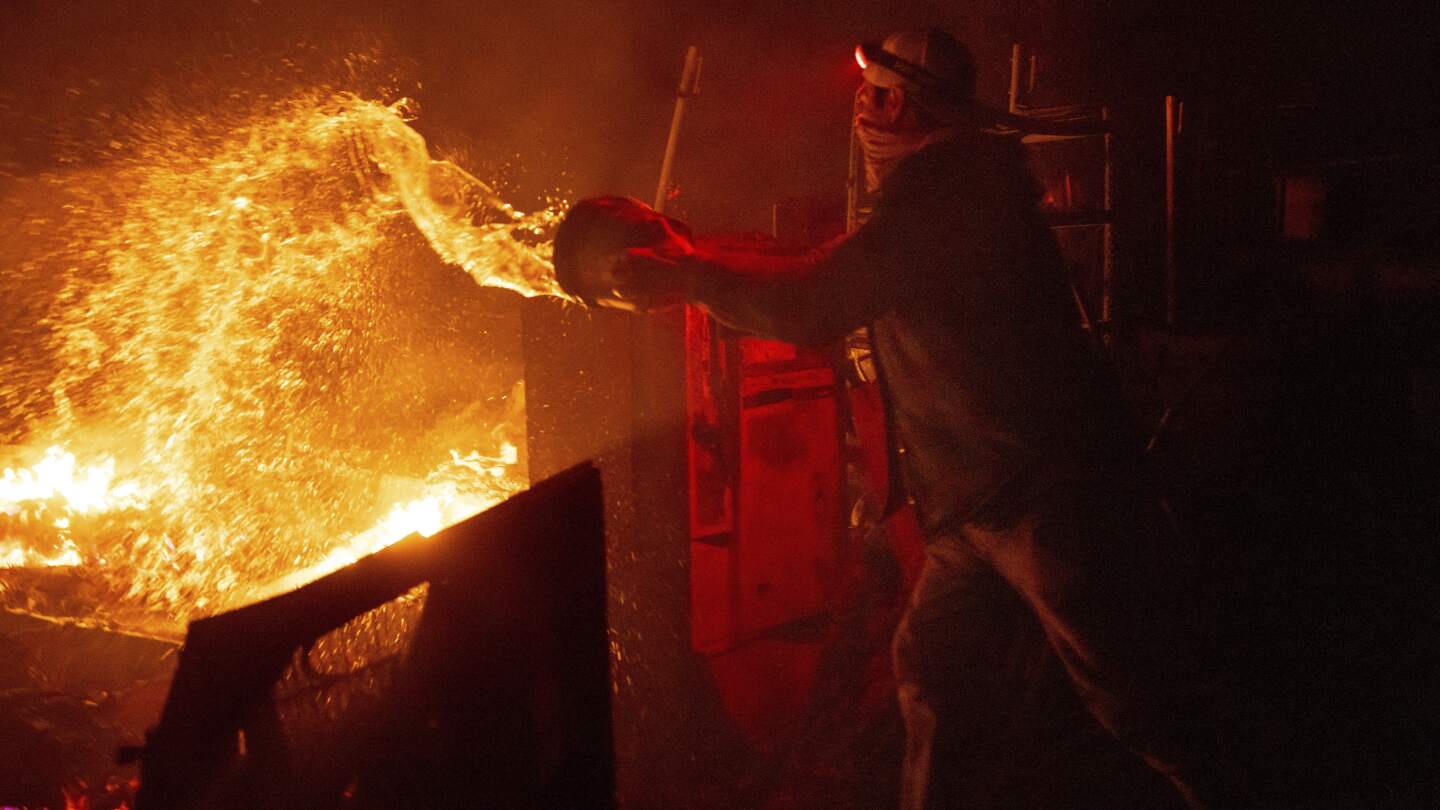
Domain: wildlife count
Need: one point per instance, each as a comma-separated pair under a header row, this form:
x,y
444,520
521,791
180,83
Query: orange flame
x,y
213,329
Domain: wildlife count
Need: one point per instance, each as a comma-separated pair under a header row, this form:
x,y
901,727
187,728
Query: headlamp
x,y
873,53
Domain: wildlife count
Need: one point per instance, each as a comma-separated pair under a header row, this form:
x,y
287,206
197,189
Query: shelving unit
x,y
1060,124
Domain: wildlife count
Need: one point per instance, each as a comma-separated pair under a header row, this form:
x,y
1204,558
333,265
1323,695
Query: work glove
x,y
620,253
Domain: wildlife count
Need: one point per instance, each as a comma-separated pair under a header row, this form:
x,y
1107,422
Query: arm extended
x,y
806,298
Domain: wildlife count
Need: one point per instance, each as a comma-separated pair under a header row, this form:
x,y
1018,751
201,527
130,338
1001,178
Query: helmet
x,y
929,58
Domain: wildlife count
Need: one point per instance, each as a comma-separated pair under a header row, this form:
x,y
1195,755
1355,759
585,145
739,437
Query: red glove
x,y
619,252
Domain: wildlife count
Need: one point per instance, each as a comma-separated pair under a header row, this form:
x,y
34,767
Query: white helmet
x,y
930,59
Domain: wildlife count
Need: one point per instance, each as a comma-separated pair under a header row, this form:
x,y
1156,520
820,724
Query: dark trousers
x,y
1020,637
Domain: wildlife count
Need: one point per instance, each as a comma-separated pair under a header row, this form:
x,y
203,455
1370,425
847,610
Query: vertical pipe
x,y
1014,77
854,177
1107,255
1171,271
689,79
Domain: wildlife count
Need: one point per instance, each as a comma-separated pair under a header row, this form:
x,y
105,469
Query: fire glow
x,y
53,491
211,345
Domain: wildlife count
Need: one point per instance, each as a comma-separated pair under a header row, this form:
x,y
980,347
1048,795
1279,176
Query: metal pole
x,y
689,88
1107,255
1014,77
853,178
1171,272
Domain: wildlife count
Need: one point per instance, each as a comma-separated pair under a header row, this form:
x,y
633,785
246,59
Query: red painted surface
x,y
765,512
789,507
769,560
765,684
708,376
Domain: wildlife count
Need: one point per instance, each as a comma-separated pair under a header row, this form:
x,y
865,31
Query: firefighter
x,y
1011,435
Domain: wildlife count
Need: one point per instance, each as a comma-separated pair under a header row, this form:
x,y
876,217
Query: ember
x,y
194,408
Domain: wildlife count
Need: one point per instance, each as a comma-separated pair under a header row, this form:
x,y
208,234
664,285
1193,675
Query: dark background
x,y
549,99
1307,453
577,96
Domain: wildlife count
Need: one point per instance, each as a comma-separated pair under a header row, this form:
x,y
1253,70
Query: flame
x,y
15,555
52,492
446,505
220,379
57,478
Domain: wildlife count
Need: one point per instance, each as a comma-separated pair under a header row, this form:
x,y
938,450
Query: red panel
x,y
765,685
712,620
789,507
711,483
755,351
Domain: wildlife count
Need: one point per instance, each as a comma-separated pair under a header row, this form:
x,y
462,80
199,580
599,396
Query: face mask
x,y
884,146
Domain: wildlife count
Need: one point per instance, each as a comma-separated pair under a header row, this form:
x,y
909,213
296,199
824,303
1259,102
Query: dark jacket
x,y
991,385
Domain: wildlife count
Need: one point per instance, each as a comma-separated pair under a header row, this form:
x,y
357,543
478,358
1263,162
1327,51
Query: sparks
x,y
215,363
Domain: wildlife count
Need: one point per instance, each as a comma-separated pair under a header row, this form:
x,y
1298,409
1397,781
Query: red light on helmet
x,y
860,57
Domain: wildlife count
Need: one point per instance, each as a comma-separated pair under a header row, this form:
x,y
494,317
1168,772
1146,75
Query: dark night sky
x,y
577,96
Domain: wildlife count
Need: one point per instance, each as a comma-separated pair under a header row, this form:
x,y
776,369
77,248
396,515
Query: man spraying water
x,y
1012,439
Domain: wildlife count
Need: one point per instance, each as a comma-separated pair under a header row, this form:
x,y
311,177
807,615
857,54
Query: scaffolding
x,y
1036,126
